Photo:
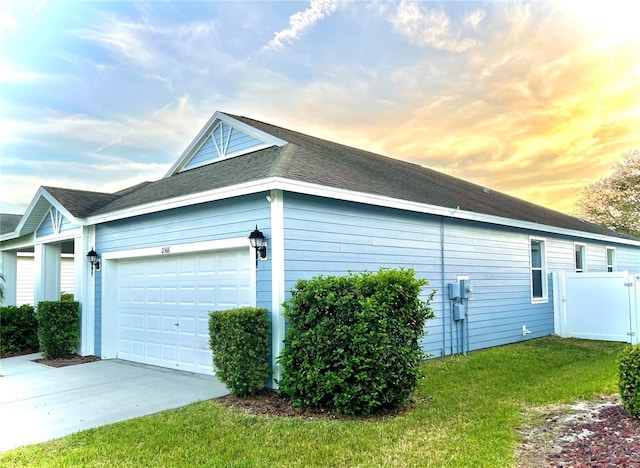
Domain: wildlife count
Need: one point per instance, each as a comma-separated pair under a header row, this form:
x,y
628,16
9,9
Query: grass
x,y
465,414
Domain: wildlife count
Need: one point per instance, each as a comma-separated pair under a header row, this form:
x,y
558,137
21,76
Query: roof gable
x,y
57,207
223,137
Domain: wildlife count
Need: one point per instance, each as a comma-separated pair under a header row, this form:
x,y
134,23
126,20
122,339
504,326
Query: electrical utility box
x,y
466,288
459,312
454,291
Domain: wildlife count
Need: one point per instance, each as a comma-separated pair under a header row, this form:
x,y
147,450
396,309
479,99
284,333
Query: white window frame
x,y
611,267
542,268
583,256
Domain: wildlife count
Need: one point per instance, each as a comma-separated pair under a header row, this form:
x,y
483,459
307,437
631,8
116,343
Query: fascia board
x,y
205,132
288,185
252,131
187,200
42,194
359,197
12,241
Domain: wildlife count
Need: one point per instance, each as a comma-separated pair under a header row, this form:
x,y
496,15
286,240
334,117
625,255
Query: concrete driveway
x,y
40,403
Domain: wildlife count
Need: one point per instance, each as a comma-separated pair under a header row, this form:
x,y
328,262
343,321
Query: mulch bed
x,y
67,361
70,360
589,434
270,403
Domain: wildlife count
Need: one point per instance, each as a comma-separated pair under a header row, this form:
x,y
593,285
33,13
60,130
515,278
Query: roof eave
x,y
279,183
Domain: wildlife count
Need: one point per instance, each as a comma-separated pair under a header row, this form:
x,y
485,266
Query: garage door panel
x,y
164,304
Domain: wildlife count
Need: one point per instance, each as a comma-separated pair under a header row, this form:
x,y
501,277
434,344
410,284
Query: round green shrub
x,y
629,379
239,341
353,343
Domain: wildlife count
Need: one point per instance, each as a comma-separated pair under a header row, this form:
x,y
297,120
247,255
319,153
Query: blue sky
x,y
535,99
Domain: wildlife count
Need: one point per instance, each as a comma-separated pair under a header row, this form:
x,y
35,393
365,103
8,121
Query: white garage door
x,y
163,305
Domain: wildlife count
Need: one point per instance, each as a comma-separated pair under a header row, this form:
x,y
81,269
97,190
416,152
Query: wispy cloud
x,y
433,28
9,74
301,22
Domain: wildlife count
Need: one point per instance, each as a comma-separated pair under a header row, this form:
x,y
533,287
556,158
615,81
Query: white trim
x,y
206,131
277,281
65,235
287,185
583,252
40,195
248,188
615,258
85,289
174,249
543,268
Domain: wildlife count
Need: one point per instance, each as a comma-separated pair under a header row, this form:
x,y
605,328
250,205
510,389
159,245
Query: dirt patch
x,y
598,433
67,361
270,403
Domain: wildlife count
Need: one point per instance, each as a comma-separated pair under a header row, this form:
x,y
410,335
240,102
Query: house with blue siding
x,y
171,250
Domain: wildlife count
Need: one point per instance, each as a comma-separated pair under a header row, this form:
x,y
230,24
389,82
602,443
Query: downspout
x,y
444,329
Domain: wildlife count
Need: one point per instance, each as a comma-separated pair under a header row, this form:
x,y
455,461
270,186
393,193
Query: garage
x,y
163,305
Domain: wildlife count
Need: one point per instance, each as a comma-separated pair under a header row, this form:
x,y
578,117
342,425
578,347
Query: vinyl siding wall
x,y
327,237
209,221
47,229
238,143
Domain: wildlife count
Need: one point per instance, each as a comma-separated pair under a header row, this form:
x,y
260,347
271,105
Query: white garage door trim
x,y
109,322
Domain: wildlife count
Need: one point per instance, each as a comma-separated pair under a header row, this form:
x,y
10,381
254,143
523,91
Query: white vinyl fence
x,y
597,306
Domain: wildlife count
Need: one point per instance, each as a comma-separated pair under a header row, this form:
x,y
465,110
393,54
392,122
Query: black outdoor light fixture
x,y
92,256
258,241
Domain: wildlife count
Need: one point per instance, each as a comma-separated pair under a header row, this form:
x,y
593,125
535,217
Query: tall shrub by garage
x,y
58,328
629,379
353,345
239,341
18,329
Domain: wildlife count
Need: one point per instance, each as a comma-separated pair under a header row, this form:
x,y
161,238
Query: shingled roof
x,y
81,203
9,222
323,163
316,161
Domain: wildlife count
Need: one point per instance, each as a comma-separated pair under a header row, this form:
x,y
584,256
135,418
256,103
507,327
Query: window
x,y
538,271
611,259
581,261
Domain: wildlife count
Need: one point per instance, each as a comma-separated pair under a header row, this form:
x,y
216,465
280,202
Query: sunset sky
x,y
535,99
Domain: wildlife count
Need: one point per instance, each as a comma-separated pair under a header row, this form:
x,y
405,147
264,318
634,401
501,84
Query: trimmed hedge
x,y
58,328
629,383
239,340
18,329
353,345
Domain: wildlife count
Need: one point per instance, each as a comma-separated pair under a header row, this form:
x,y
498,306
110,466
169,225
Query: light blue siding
x,y
331,237
628,259
561,255
228,142
205,222
497,263
47,228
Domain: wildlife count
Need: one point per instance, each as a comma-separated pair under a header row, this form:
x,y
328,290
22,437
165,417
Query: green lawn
x,y
465,414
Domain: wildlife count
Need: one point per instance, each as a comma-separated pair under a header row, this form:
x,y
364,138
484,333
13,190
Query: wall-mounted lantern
x,y
93,257
258,241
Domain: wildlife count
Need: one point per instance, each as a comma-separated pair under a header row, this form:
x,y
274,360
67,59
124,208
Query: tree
x,y
614,201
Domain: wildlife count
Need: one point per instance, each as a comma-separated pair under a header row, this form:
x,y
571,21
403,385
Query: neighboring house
x,y
174,249
25,283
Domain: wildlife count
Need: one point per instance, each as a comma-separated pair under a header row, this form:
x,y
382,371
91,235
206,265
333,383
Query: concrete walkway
x,y
40,403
